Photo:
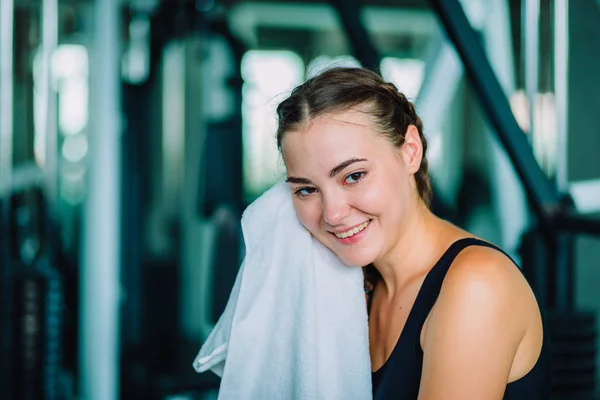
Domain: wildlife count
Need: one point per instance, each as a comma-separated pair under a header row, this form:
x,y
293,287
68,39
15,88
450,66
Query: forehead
x,y
330,139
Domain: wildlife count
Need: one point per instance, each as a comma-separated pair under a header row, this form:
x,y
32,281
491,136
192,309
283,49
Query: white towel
x,y
295,325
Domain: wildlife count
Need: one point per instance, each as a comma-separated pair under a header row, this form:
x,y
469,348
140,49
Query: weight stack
x,y
36,332
573,335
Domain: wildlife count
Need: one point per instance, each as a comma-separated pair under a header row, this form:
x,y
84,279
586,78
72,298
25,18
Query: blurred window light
x,y
69,78
72,187
74,148
269,76
520,109
219,101
323,63
586,195
544,139
68,61
135,65
544,135
406,74
73,106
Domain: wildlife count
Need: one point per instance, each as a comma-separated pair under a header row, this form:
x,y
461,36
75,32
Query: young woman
x,y
451,316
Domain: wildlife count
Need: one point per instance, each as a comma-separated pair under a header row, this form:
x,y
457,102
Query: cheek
x,y
308,214
385,197
382,193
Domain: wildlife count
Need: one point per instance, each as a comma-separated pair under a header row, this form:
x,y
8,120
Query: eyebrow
x,y
293,179
343,165
334,171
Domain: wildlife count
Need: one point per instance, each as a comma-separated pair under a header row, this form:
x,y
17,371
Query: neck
x,y
414,253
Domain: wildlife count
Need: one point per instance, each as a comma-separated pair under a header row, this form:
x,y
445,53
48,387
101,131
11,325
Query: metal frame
x,y
100,289
49,29
362,47
6,95
543,196
576,223
6,147
561,93
530,54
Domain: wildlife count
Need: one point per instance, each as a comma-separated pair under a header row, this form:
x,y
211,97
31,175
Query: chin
x,y
355,258
352,256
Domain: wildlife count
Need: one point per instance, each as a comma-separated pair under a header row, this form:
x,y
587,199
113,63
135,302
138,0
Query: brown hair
x,y
340,89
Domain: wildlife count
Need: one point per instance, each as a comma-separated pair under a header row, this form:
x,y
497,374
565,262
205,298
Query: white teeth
x,y
352,232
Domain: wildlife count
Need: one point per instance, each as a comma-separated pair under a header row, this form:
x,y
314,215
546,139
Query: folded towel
x,y
295,325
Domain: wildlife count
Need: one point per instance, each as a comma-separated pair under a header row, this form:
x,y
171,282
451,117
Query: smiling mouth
x,y
352,232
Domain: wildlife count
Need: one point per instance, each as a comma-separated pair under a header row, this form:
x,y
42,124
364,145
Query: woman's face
x,y
352,188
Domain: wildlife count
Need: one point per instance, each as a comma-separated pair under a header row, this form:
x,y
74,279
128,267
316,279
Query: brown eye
x,y
354,177
304,191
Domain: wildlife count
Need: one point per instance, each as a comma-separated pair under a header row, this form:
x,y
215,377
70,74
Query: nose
x,y
335,208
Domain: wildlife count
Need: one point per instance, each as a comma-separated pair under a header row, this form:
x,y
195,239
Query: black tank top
x,y
400,376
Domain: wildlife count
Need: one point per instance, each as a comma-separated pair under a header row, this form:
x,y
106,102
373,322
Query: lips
x,y
353,231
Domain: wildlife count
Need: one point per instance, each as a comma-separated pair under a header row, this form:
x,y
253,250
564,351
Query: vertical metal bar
x,y
100,283
49,127
565,279
6,148
362,46
48,115
531,29
6,94
561,73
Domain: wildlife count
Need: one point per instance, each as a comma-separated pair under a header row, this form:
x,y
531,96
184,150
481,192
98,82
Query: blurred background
x,y
133,133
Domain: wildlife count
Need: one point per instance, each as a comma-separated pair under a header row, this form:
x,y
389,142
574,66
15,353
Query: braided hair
x,y
339,89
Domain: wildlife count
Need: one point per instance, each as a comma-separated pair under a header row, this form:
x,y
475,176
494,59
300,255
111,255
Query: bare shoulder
x,y
473,337
484,271
483,276
484,286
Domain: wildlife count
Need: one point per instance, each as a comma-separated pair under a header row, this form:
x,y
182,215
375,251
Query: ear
x,y
412,149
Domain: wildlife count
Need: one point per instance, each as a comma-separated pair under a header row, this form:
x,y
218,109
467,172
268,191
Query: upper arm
x,y
473,331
